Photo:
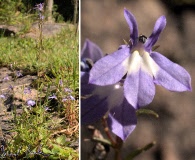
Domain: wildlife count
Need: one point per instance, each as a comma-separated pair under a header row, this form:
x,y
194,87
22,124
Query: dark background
x,y
103,23
63,10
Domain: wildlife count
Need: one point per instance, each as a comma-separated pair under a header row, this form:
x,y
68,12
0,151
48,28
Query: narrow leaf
x,y
147,111
139,151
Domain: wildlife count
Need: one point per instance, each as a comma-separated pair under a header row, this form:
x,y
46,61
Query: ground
x,y
15,84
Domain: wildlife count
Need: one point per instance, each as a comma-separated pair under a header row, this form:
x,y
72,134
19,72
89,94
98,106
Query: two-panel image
x,y
97,80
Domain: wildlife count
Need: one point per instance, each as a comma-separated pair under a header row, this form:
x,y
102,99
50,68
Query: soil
x,y
11,87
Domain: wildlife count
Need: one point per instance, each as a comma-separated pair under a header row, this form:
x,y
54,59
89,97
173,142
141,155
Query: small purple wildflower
x,y
64,99
30,102
2,96
6,78
52,97
60,82
41,17
27,90
11,87
142,67
39,7
47,109
19,74
68,90
71,97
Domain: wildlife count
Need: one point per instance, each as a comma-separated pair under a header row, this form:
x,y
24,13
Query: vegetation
x,y
47,127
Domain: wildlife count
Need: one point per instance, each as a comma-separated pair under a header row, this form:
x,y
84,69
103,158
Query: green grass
x,y
58,52
37,128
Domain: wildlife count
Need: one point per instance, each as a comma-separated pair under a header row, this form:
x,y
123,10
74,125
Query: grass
x,y
47,129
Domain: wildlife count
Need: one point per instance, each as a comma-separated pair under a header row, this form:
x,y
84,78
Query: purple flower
x,y
11,87
6,78
41,17
2,96
69,97
91,105
64,99
19,74
68,90
47,108
27,90
142,67
52,97
60,82
97,100
30,103
39,7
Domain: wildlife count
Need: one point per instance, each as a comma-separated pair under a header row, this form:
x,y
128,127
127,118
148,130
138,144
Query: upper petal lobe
x,y
132,25
158,28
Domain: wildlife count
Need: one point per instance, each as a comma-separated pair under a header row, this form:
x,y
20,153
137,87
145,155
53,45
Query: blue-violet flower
x,y
141,67
30,102
96,101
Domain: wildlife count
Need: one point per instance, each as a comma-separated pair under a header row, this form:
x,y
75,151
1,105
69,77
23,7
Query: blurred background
x,y
103,23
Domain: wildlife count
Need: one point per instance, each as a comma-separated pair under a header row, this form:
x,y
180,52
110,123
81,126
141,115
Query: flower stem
x,y
106,129
116,143
117,148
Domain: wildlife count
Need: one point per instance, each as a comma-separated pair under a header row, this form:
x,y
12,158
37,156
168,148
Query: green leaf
x,y
139,151
46,151
102,140
61,140
56,149
147,111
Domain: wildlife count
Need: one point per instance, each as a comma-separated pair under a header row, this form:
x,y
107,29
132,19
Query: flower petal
x,y
98,100
91,50
171,75
122,120
132,25
139,88
109,69
86,88
93,109
158,27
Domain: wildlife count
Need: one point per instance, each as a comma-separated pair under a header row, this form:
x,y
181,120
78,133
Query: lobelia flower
x,y
19,74
52,97
2,96
96,100
30,102
27,90
91,109
60,82
71,97
142,67
39,7
68,90
6,78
